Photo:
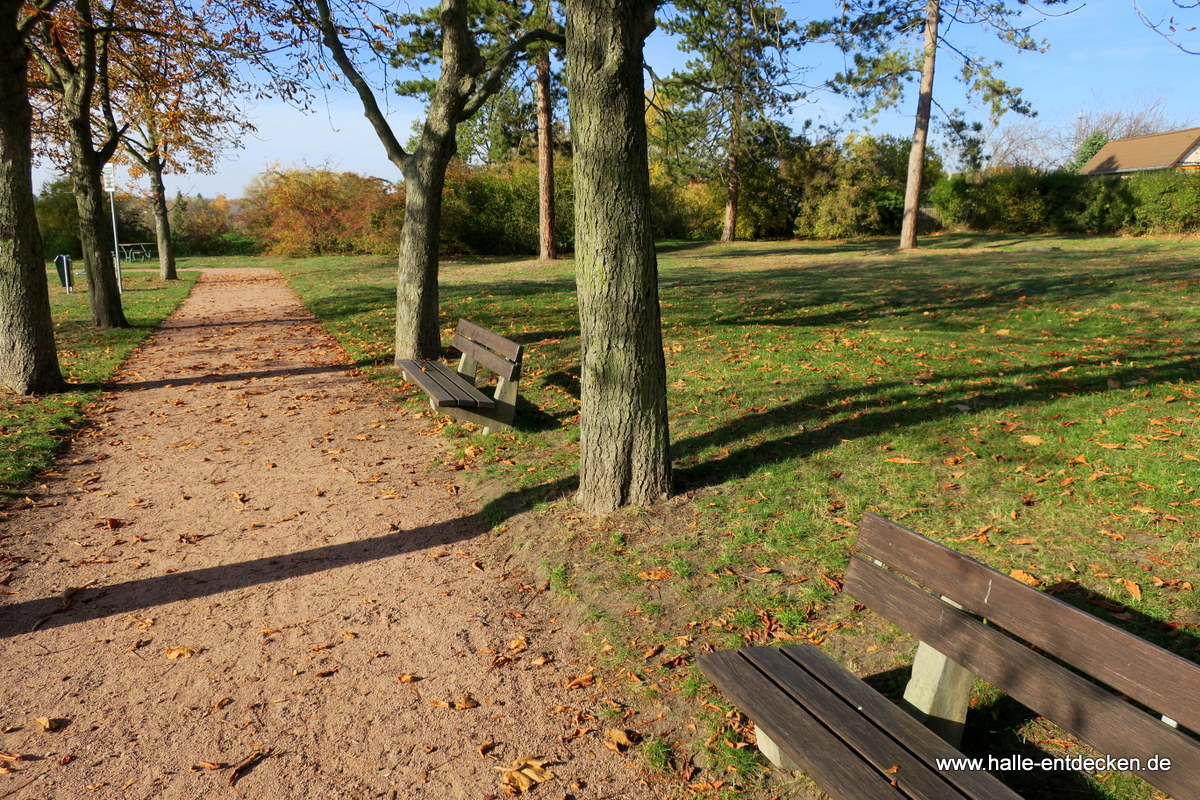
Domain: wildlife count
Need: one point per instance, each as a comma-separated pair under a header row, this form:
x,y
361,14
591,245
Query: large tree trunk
x,y
95,235
28,361
916,156
162,221
417,327
546,248
624,456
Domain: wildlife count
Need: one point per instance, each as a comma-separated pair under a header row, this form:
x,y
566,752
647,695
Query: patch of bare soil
x,y
246,579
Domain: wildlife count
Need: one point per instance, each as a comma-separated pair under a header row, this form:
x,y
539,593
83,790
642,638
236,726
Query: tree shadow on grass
x,y
747,459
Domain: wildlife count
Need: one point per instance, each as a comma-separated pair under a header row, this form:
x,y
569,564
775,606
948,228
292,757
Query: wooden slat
x,y
921,740
444,386
1111,725
881,737
819,753
505,347
498,364
1155,677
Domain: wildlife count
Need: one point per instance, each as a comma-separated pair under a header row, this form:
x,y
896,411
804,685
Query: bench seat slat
x,y
1155,677
823,756
882,734
923,742
445,387
1106,722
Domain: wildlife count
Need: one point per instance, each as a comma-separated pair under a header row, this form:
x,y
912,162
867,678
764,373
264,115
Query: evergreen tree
x,y
1093,143
892,40
737,83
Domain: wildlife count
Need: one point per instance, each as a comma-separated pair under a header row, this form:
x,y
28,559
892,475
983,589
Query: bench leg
x,y
938,693
767,746
506,406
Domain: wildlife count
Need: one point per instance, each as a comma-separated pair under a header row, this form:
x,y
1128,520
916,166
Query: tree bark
x,y
95,228
28,361
732,187
162,220
916,156
546,249
418,332
624,454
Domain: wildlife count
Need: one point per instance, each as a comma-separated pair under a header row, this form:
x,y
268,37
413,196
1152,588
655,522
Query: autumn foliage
x,y
317,211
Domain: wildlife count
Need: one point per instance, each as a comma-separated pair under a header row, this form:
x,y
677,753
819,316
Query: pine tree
x,y
737,83
893,39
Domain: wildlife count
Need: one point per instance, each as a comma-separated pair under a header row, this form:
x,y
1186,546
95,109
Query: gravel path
x,y
249,559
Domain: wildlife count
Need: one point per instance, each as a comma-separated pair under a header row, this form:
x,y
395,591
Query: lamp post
x,y
110,185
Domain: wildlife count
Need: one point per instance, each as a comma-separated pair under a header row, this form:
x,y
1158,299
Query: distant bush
x,y
1165,202
494,210
1029,201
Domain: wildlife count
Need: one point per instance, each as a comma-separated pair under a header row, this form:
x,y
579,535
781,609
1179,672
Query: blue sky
x,y
1101,56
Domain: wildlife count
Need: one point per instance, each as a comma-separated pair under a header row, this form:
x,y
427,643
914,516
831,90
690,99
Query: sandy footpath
x,y
248,559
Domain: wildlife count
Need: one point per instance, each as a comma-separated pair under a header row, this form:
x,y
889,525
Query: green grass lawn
x,y
1030,401
33,428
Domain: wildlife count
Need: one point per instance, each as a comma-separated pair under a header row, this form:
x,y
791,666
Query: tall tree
x,y
28,360
738,81
624,454
893,39
468,75
181,99
545,128
73,48
916,154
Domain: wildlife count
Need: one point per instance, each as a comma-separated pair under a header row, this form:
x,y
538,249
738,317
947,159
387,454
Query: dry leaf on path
x,y
174,653
466,701
581,681
518,645
485,748
47,724
525,773
619,740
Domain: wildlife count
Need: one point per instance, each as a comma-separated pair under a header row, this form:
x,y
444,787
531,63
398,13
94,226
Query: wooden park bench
x,y
453,392
1122,695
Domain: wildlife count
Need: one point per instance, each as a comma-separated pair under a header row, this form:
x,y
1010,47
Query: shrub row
x,y
1029,201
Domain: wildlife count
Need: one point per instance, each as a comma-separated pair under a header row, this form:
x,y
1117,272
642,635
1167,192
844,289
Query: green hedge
x,y
1029,201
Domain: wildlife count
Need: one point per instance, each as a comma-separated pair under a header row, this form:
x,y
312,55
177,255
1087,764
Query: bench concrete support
x,y
938,693
767,746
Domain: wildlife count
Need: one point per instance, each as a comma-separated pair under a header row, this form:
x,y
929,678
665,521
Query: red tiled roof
x,y
1157,151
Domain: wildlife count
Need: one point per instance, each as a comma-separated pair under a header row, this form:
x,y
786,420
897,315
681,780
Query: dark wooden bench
x,y
453,392
1122,695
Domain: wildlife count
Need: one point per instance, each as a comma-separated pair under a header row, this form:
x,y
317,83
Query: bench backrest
x,y
502,356
1133,667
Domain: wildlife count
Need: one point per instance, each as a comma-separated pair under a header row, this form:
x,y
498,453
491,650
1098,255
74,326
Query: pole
x,y
110,184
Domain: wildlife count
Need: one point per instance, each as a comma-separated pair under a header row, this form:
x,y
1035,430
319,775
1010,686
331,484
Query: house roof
x,y
1157,151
